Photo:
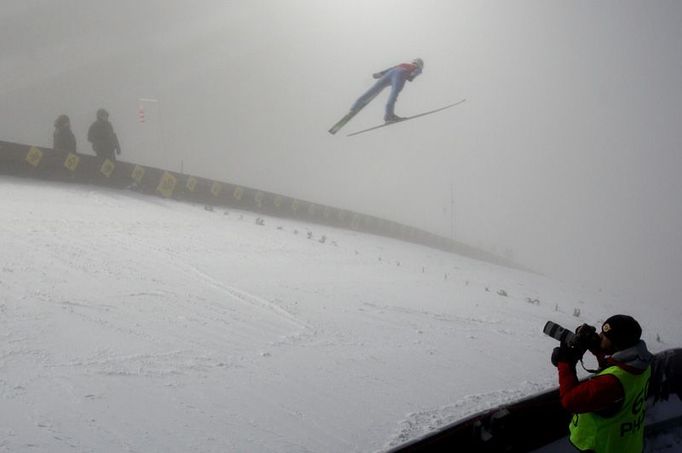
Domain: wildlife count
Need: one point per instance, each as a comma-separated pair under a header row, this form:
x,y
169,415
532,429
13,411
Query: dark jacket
x,y
63,139
104,141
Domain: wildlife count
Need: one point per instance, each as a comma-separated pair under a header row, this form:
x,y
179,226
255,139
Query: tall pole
x,y
452,211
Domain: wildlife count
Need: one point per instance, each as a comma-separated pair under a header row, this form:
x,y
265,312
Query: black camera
x,y
584,338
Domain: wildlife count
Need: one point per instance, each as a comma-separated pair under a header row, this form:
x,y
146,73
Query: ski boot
x,y
392,118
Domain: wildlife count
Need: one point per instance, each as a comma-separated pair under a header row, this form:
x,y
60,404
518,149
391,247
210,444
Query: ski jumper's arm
x,y
380,74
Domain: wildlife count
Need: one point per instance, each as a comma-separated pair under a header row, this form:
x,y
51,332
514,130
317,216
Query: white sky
x,y
567,151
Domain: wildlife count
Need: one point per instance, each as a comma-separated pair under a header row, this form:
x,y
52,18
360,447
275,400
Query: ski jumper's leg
x,y
372,92
398,79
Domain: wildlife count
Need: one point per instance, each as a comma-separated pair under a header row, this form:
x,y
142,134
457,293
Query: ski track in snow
x,y
137,324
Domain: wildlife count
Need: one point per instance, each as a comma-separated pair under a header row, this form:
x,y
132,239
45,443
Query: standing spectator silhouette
x,y
101,135
62,138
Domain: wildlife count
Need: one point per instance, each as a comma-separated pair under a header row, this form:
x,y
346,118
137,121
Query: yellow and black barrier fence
x,y
48,164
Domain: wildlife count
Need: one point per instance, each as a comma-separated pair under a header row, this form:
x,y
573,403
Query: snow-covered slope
x,y
131,323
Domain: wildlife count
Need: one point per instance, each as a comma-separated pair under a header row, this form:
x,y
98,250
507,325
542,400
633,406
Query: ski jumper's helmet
x,y
418,62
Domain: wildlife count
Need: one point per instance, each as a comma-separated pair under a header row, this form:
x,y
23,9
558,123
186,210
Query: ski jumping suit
x,y
395,77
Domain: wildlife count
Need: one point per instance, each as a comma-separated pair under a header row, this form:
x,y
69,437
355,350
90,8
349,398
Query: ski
x,y
342,122
349,116
406,118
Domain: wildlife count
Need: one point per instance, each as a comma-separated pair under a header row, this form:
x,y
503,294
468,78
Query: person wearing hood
x,y
62,138
608,409
101,135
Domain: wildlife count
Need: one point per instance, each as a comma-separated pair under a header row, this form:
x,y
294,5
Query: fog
x,y
566,155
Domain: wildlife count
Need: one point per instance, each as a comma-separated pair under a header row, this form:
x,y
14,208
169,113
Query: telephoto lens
x,y
557,332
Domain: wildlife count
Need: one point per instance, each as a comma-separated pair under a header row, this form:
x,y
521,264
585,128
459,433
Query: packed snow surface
x,y
139,324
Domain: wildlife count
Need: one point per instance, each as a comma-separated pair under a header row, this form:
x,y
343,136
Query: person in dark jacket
x,y
62,138
609,407
395,77
101,135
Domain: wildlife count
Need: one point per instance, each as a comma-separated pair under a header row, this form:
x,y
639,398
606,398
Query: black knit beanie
x,y
622,330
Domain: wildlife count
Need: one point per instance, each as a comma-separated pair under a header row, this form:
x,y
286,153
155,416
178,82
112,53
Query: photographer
x,y
609,407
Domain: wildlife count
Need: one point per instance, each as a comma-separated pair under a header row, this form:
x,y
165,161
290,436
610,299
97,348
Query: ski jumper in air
x,y
394,77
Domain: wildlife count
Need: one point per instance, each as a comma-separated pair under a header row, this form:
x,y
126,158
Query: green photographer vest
x,y
624,431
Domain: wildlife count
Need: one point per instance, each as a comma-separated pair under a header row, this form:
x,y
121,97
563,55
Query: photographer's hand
x,y
564,354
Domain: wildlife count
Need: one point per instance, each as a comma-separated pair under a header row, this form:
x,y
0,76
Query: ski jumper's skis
x,y
349,116
342,122
406,118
